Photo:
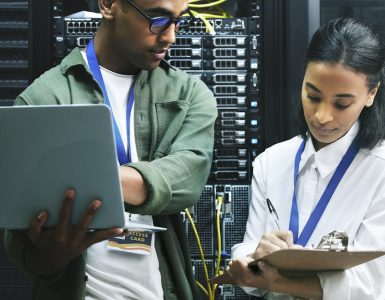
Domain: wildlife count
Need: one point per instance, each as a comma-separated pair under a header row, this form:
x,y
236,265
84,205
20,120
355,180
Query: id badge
x,y
138,242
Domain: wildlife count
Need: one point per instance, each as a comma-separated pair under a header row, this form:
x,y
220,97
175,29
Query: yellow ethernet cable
x,y
209,291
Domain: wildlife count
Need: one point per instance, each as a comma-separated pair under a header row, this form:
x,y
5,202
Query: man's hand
x,y
53,249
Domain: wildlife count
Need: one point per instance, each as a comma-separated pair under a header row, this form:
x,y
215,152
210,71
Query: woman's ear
x,y
107,8
372,95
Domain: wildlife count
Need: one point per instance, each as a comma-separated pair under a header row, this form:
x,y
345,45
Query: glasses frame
x,y
174,21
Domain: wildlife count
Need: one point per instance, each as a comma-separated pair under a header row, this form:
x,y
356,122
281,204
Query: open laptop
x,y
47,149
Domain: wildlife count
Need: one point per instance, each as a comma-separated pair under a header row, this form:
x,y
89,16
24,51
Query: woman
x,y
342,112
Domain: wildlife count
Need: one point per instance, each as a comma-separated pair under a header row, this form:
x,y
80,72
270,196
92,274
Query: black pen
x,y
273,212
254,267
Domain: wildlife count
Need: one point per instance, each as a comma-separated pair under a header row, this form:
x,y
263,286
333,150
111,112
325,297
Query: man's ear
x,y
107,8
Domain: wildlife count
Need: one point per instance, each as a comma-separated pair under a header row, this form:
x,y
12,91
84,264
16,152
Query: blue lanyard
x,y
325,198
123,156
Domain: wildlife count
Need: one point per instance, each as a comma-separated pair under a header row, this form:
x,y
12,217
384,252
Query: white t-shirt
x,y
357,207
115,275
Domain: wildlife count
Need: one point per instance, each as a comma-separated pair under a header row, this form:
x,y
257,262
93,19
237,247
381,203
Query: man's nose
x,y
168,35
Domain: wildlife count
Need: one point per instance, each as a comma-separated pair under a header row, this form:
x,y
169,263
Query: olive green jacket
x,y
174,117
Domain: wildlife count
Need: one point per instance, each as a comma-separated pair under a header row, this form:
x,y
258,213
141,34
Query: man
x,y
167,137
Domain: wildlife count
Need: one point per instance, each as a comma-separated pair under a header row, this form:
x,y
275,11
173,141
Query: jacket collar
x,y
72,60
327,159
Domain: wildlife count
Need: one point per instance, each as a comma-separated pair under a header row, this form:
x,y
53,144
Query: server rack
x,y
14,76
14,51
13,284
230,63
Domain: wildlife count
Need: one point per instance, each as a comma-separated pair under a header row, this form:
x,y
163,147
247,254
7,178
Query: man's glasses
x,y
160,24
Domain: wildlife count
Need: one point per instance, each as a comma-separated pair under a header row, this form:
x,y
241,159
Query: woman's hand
x,y
268,277
273,241
265,277
242,275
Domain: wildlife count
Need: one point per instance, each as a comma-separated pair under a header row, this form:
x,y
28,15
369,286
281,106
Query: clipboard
x,y
307,261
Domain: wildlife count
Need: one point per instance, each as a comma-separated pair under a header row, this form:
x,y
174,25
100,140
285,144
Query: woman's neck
x,y
317,144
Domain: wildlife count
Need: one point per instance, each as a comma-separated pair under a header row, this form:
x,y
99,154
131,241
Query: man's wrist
x,y
38,265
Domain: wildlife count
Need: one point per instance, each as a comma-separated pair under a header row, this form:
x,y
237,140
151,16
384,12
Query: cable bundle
x,y
204,9
210,291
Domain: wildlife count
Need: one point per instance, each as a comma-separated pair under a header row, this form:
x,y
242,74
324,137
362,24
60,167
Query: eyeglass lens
x,y
160,24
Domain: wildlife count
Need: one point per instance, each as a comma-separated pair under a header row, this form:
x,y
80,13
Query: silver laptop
x,y
44,150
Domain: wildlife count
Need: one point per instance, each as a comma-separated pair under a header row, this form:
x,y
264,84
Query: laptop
x,y
47,149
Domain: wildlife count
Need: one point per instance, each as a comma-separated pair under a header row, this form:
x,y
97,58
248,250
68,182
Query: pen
x,y
273,212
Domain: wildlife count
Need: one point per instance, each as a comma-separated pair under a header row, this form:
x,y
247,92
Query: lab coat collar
x,y
327,159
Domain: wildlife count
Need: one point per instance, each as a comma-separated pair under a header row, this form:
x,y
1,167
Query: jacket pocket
x,y
170,118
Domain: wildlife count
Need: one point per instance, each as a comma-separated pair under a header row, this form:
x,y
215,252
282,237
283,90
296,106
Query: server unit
x,y
13,284
14,76
14,54
231,218
229,62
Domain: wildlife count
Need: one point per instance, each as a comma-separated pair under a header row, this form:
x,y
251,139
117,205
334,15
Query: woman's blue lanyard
x,y
123,156
325,198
